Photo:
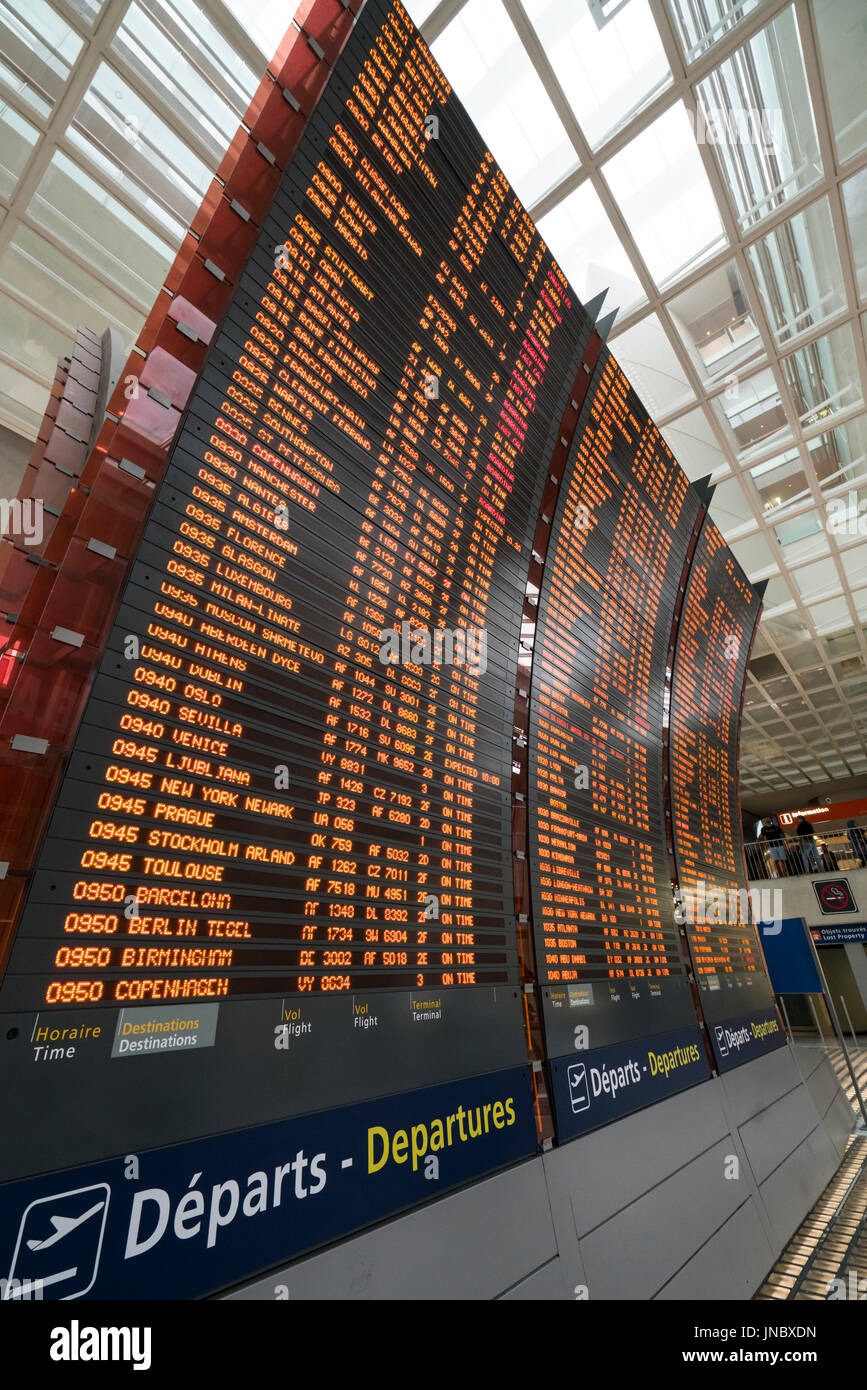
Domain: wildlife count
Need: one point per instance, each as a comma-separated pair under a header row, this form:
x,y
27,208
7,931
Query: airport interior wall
x,y
638,1210
839,937
799,899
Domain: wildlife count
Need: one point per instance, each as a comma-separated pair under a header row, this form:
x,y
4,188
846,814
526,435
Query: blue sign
x,y
740,1039
601,1085
848,934
187,1220
789,959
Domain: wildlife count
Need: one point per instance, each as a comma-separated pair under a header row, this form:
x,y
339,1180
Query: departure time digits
x,y
599,673
347,475
719,613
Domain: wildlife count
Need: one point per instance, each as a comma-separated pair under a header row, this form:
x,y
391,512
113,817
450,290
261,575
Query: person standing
x,y
809,854
773,836
855,835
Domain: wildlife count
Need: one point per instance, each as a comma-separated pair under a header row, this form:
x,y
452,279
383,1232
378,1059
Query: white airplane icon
x,y
62,1226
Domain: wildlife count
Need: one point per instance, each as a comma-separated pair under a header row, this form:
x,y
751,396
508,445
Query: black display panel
x,y
715,634
287,808
270,931
608,951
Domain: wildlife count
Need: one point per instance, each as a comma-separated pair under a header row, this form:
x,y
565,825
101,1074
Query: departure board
x,y
272,925
715,634
607,945
289,799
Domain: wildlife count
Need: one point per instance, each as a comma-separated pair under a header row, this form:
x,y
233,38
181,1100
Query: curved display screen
x,y
270,940
277,879
610,959
715,634
296,757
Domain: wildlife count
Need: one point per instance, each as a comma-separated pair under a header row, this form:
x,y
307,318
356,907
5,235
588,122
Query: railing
x,y
826,851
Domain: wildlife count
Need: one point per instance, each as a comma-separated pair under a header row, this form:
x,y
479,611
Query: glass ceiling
x,y
712,167
706,164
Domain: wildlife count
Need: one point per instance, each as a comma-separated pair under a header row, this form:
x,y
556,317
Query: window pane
x,y
649,360
25,336
814,581
692,441
89,10
609,68
729,507
840,456
780,481
855,197
814,680
855,564
660,184
788,631
841,27
112,175
185,24
829,616
267,21
51,280
753,555
761,645
776,594
823,377
839,647
485,61
118,130
22,401
38,51
752,415
77,211
798,271
418,10
699,27
17,138
715,321
580,235
803,536
164,63
756,106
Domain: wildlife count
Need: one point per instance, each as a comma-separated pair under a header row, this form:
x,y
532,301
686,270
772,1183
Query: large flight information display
x,y
301,772
277,878
270,937
611,964
715,634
